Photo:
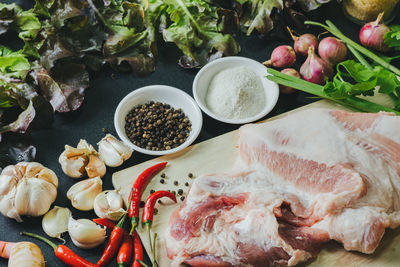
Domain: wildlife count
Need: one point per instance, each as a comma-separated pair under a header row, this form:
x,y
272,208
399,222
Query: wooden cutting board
x,y
219,155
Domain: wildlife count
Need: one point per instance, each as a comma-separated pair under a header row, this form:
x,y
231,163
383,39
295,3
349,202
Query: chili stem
x,y
142,263
41,238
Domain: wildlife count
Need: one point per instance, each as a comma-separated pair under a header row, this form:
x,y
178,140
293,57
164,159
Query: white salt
x,y
236,93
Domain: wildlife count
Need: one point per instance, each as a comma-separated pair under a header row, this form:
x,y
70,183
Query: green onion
x,y
318,90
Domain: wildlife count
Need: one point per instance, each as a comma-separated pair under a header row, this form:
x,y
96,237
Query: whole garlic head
x,y
83,193
55,222
75,162
27,188
113,152
108,204
86,234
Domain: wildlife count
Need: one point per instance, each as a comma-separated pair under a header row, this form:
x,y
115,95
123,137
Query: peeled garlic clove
x,y
85,233
95,167
73,161
108,204
113,152
55,222
83,193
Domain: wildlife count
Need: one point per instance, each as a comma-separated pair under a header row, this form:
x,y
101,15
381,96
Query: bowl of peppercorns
x,y
158,120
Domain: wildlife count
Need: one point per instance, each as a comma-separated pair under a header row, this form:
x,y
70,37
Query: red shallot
x,y
332,50
283,56
315,69
372,34
303,42
286,89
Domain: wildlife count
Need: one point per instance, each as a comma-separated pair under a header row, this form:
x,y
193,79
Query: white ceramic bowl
x,y
164,94
205,75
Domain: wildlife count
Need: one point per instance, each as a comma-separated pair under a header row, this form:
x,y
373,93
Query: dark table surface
x,y
107,88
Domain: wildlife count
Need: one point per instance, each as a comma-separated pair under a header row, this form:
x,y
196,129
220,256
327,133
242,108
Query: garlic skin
x,y
83,193
55,222
73,161
86,234
27,188
112,151
95,167
109,204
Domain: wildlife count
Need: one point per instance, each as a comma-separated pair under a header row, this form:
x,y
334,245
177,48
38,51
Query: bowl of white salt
x,y
235,90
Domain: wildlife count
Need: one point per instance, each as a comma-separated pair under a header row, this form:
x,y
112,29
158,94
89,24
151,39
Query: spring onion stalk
x,y
318,90
330,27
359,57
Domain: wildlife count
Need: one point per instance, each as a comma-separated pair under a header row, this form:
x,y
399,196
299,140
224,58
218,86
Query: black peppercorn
x,y
186,184
162,181
180,192
182,198
175,182
157,126
162,175
190,175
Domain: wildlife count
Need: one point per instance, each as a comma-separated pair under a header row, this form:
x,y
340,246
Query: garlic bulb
x,y
112,151
108,204
27,188
55,222
86,234
83,193
84,158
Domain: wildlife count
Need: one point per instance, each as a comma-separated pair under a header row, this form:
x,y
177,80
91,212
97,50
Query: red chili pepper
x,y
148,213
151,201
113,243
138,250
64,253
138,187
125,251
105,222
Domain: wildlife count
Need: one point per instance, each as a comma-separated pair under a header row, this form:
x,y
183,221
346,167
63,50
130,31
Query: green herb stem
x,y
359,57
318,90
335,31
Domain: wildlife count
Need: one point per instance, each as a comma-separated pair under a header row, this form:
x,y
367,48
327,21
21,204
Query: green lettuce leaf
x,y
195,30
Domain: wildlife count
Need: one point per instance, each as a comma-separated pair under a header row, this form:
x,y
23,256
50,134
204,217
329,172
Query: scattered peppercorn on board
x,y
218,155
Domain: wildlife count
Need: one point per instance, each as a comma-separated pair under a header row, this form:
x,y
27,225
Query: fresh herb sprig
x,y
347,100
392,38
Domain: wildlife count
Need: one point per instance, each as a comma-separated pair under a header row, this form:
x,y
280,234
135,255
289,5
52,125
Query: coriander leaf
x,y
392,38
386,80
357,71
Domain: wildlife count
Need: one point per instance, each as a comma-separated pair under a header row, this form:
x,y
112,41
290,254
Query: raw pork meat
x,y
306,178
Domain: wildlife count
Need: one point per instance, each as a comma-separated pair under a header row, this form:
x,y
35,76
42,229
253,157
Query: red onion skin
x,y
303,42
332,50
283,56
372,35
315,69
286,89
